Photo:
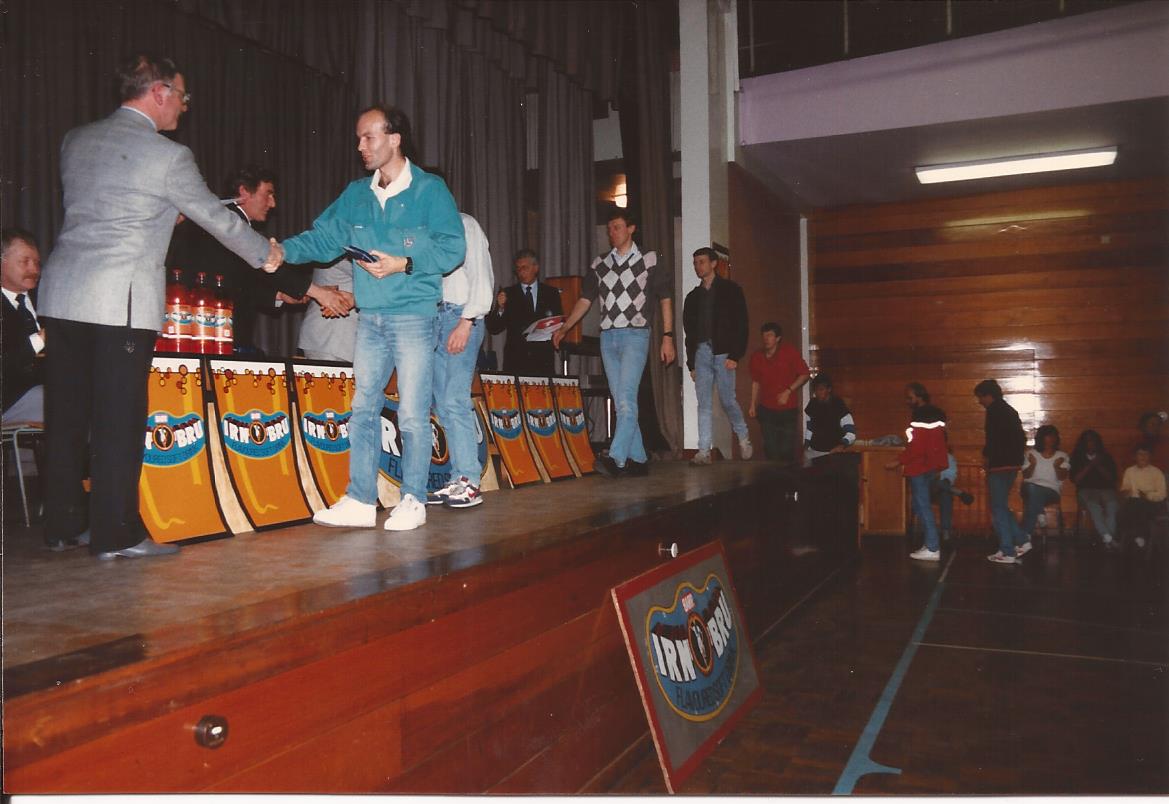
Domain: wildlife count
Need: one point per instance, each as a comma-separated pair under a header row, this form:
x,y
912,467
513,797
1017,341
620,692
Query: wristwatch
x,y
409,266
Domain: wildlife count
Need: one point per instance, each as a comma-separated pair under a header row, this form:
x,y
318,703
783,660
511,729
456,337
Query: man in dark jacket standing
x,y
1005,444
714,316
516,308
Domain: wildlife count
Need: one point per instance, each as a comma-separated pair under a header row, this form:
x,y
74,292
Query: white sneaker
x,y
1023,549
1041,522
407,515
925,554
1140,542
999,558
745,449
701,458
347,513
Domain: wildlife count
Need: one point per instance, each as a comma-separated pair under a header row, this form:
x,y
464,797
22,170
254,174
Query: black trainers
x,y
635,469
608,467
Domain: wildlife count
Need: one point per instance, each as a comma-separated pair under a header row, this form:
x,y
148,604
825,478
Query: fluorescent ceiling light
x,y
1016,165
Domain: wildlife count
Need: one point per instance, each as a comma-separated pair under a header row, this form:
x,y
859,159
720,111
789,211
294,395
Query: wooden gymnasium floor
x,y
1048,678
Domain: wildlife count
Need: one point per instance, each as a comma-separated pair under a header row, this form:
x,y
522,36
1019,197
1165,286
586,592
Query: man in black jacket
x,y
516,307
24,339
1005,444
714,316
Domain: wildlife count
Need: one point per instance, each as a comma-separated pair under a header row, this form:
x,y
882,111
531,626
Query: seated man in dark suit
x,y
24,339
516,308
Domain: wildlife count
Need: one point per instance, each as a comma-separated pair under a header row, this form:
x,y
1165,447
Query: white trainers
x,y
407,515
1023,549
1140,542
347,513
999,558
925,554
745,449
701,458
1041,522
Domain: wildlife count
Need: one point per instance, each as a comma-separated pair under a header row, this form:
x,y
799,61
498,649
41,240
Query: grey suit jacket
x,y
124,186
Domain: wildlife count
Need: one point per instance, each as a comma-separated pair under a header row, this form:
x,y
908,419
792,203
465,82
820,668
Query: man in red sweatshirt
x,y
925,455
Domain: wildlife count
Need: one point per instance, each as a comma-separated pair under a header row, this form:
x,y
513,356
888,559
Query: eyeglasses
x,y
185,99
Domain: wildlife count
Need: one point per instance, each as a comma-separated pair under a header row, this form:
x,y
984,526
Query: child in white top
x,y
1046,468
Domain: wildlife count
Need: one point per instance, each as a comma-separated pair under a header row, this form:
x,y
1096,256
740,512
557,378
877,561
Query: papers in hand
x,y
542,328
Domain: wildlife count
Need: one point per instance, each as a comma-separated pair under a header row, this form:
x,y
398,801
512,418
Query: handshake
x,y
334,303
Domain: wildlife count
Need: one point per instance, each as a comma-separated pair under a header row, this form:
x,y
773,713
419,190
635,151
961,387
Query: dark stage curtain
x,y
645,141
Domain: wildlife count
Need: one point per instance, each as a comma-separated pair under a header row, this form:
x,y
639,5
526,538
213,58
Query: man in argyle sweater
x,y
630,284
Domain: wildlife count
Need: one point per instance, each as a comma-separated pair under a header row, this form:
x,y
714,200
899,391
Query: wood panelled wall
x,y
1061,294
765,261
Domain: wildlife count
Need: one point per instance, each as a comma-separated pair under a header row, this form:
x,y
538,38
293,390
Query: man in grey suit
x,y
102,301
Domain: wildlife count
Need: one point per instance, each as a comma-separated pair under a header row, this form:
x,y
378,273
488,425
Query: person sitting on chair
x,y
24,338
1143,488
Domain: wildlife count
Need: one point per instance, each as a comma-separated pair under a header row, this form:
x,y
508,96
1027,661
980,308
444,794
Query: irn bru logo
x,y
172,440
542,421
572,420
327,431
506,422
256,434
694,649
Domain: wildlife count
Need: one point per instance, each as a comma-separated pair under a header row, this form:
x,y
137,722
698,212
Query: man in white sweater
x,y
459,330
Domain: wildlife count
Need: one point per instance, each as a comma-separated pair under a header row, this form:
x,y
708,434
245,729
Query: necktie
x,y
531,301
26,316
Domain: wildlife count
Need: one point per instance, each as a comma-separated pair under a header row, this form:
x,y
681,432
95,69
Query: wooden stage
x,y
480,653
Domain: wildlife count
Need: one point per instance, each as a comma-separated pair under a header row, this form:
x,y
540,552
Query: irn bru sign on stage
x,y
254,425
690,654
324,397
694,647
176,490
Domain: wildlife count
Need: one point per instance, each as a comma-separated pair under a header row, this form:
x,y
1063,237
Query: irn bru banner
x,y
570,415
324,406
176,491
232,446
540,420
254,424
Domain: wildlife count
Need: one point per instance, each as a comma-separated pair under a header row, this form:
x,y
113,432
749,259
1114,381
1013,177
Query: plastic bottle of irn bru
x,y
176,324
203,309
224,309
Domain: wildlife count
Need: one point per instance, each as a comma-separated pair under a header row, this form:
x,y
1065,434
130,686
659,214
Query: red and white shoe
x,y
467,497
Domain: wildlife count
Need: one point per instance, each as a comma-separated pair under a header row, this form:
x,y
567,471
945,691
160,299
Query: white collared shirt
x,y
535,292
37,342
399,184
633,253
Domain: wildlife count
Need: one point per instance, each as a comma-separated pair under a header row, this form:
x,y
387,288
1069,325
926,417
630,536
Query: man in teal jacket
x,y
407,219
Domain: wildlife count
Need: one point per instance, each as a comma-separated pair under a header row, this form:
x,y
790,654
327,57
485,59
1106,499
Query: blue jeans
x,y
919,488
385,342
623,351
1035,499
943,490
710,372
452,391
998,487
1101,505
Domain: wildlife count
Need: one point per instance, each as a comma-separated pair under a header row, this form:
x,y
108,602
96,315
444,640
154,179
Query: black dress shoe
x,y
61,545
608,467
636,469
144,549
